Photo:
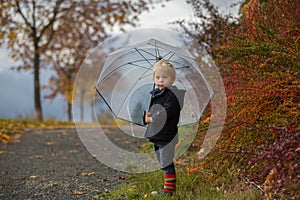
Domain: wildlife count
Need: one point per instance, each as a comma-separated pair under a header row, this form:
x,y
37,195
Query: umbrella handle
x,y
152,95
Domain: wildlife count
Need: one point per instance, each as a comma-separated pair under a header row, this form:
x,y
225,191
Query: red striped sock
x,y
170,183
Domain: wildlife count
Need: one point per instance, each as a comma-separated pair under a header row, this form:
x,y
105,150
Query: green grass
x,y
189,187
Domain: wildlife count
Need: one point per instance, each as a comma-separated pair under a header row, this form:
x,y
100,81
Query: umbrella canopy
x,y
126,81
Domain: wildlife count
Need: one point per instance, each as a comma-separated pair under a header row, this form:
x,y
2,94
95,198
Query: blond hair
x,y
166,67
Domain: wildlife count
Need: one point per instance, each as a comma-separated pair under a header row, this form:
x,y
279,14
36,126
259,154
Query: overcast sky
x,y
16,88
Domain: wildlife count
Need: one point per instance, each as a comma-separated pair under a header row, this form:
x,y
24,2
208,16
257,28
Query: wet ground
x,y
54,164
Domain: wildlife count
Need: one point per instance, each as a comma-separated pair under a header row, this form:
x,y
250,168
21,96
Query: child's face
x,y
162,80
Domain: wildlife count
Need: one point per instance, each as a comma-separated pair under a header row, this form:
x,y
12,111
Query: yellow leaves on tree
x,y
37,34
12,35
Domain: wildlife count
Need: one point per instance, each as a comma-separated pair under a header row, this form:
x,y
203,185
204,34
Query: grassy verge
x,y
199,185
11,128
189,187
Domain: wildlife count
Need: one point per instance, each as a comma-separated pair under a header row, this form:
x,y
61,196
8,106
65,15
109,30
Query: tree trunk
x,y
37,94
69,101
92,111
69,96
70,111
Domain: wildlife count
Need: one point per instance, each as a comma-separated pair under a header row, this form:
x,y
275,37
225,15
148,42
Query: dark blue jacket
x,y
165,109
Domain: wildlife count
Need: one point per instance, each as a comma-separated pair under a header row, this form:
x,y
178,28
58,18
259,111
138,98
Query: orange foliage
x,y
259,60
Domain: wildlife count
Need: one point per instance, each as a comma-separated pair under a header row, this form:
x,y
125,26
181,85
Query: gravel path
x,y
53,164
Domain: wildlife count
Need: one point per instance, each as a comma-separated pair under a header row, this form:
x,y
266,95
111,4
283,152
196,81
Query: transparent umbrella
x,y
126,80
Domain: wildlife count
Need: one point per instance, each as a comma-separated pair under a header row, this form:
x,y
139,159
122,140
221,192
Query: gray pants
x,y
165,152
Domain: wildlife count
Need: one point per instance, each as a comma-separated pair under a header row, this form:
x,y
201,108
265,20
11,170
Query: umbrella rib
x,y
106,102
136,81
105,77
183,67
115,116
169,59
157,55
144,58
130,91
170,52
131,122
138,50
147,60
179,80
129,63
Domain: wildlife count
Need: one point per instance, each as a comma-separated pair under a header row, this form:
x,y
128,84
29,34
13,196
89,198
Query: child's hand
x,y
148,118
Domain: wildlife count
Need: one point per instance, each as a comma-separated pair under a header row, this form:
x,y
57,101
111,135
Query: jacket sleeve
x,y
172,106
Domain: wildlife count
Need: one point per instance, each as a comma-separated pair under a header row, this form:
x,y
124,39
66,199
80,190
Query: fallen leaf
x,y
33,176
50,143
18,177
87,173
73,151
102,180
78,192
55,154
38,156
3,152
5,136
14,138
77,144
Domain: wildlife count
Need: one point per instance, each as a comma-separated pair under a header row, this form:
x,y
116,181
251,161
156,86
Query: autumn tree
x,y
34,29
67,58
